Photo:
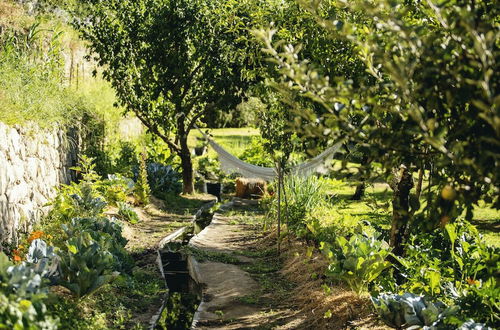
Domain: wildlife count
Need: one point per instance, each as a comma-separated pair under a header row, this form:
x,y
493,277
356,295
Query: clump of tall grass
x,y
302,195
34,86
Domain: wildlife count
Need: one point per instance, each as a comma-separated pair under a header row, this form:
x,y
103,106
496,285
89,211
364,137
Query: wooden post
x,y
279,207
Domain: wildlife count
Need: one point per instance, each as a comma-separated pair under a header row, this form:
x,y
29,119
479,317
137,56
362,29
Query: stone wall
x,y
33,162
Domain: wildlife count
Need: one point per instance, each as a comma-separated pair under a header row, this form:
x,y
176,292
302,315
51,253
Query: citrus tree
x,y
434,104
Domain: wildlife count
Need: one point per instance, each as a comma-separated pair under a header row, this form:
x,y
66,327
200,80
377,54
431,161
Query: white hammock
x,y
231,164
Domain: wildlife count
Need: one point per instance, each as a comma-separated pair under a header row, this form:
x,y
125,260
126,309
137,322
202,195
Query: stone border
x,y
161,245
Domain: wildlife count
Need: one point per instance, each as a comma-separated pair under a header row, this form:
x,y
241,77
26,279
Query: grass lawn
x,y
234,140
376,208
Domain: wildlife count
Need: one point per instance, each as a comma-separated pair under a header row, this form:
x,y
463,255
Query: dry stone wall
x,y
33,163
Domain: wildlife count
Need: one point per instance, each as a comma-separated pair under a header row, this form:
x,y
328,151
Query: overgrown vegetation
x,y
409,87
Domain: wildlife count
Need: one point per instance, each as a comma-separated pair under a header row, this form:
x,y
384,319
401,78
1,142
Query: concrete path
x,y
224,284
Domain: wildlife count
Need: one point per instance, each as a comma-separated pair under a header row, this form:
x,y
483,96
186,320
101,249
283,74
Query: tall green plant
x,y
303,194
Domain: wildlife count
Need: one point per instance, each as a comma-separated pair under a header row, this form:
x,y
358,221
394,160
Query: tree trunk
x,y
360,192
402,184
418,188
187,167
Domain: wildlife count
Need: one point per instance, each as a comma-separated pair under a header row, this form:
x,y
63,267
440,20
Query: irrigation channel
x,y
183,296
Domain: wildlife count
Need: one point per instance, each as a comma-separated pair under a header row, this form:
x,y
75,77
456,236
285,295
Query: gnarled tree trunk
x,y
187,167
402,184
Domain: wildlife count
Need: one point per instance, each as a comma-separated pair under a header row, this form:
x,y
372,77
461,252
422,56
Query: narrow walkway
x,y
227,287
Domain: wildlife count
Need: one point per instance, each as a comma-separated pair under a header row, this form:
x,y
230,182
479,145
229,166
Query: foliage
x,y
43,259
256,154
433,105
186,56
357,261
163,179
108,233
142,189
116,188
456,266
87,204
127,158
23,314
303,195
20,281
208,168
22,292
127,213
86,265
407,310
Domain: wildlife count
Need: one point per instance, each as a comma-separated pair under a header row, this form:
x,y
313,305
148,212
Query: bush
x,y
256,153
127,213
303,196
357,261
208,168
163,179
86,264
457,266
116,188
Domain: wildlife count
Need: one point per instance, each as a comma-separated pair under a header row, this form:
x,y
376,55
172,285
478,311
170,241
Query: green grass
x,y
376,208
234,140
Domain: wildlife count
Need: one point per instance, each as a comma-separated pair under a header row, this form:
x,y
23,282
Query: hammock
x,y
231,164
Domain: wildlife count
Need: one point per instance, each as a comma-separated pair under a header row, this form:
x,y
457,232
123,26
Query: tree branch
x,y
153,128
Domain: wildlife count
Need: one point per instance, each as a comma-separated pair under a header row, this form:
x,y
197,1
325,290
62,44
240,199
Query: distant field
x,y
234,140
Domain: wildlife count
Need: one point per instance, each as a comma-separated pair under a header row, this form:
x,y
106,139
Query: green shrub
x,y
208,168
127,159
457,266
357,261
116,188
256,154
24,314
127,213
85,264
303,195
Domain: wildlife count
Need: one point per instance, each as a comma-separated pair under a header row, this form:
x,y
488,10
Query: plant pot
x,y
200,151
215,188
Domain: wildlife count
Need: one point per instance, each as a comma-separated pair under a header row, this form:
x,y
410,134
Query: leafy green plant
x,y
163,179
208,168
43,259
303,195
127,212
407,310
87,203
108,233
256,154
116,188
86,265
20,280
357,261
24,314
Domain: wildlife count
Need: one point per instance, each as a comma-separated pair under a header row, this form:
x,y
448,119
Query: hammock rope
x,y
232,164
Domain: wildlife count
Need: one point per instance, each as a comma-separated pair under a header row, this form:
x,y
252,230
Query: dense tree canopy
x,y
435,103
171,62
